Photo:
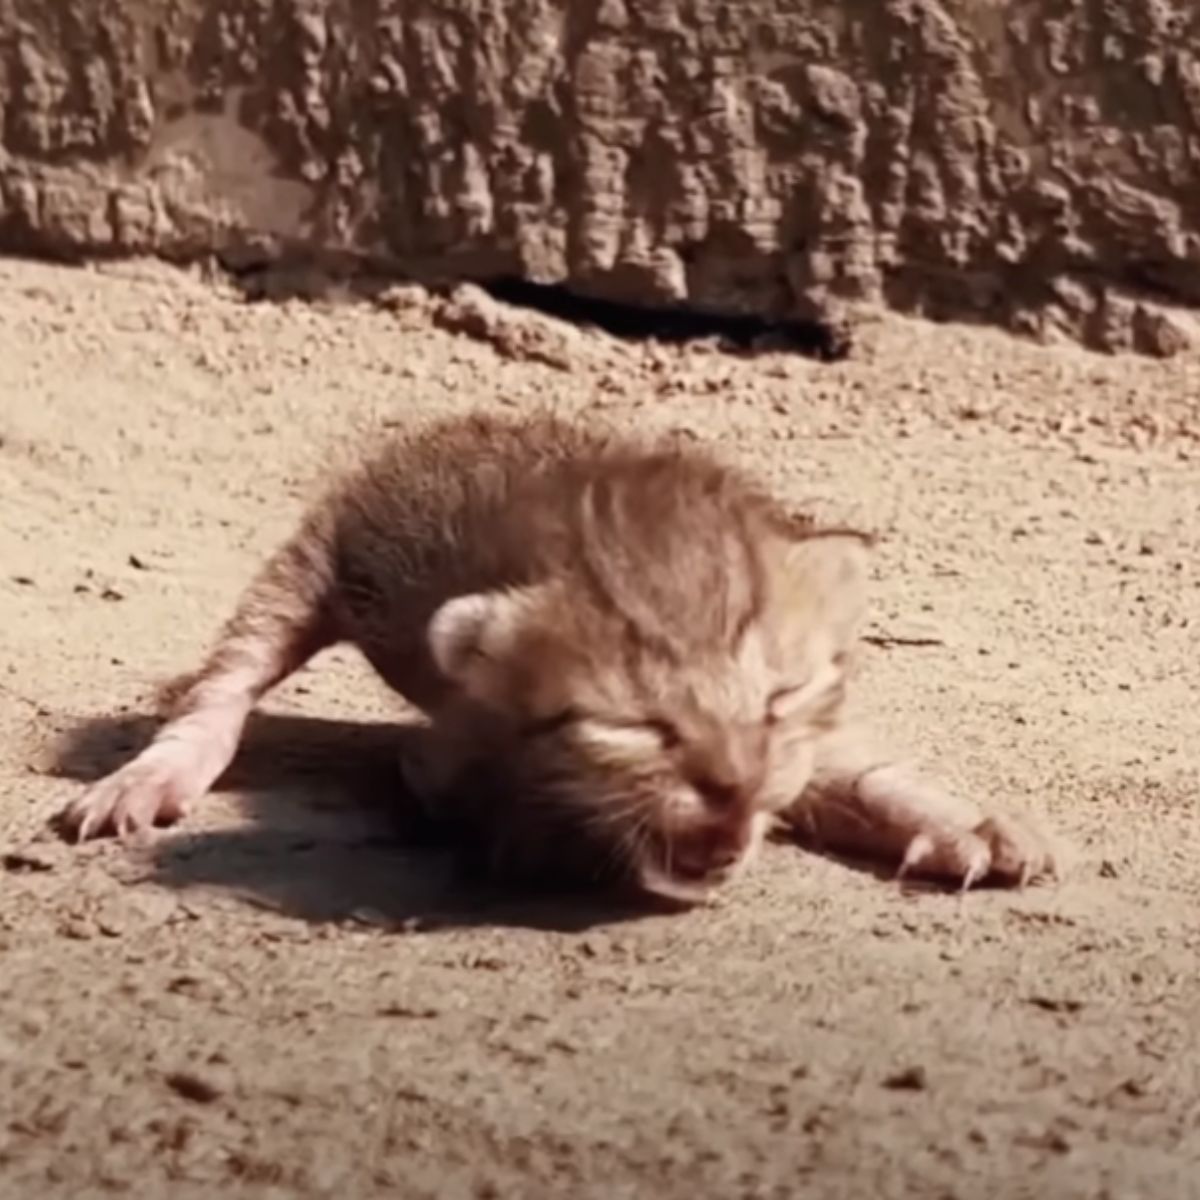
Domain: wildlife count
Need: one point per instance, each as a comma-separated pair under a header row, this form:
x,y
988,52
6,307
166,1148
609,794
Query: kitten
x,y
632,659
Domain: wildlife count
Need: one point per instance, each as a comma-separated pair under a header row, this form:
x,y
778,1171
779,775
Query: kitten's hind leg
x,y
282,620
861,803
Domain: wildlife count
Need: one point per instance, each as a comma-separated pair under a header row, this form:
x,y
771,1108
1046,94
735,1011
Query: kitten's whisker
x,y
668,853
609,816
631,844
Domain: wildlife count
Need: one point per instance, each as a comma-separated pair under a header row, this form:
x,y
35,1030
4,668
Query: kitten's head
x,y
664,708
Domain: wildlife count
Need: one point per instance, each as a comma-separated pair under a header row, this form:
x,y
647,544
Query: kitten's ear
x,y
471,637
834,561
824,579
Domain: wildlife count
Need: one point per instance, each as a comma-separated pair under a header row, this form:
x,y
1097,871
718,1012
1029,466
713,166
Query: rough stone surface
x,y
1032,163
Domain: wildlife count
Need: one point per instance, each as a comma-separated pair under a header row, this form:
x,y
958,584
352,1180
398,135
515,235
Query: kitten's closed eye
x,y
782,702
545,726
648,736
628,735
666,733
791,700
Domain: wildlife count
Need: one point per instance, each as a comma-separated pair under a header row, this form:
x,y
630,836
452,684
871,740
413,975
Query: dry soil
x,y
279,1000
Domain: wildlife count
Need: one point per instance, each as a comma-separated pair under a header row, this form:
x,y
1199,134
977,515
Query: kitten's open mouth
x,y
696,872
679,878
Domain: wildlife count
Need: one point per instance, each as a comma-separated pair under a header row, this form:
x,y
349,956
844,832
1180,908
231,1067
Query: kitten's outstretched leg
x,y
859,802
281,621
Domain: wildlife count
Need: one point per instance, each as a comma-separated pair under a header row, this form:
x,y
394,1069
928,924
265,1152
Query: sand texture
x,y
277,1000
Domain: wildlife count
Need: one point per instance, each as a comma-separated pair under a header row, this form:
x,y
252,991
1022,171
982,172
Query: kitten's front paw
x,y
941,835
154,789
1000,850
1020,854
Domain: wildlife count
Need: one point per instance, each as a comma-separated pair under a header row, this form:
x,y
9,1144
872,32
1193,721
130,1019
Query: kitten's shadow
x,y
331,833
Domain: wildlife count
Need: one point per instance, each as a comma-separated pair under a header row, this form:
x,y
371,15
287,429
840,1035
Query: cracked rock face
x,y
1034,163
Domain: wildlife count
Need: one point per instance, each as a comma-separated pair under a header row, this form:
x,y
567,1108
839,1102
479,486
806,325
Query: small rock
x,y
485,962
26,862
408,1012
911,1079
111,925
371,918
404,297
973,410
193,987
1055,1004
34,1023
197,1088
1159,333
1056,1140
133,910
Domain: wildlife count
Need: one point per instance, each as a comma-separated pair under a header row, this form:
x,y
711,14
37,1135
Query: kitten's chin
x,y
686,888
657,882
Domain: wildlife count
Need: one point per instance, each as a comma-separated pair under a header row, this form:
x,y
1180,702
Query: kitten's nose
x,y
719,793
728,771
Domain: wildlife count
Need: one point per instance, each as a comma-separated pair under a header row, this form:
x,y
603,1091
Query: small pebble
x,y
25,862
193,1087
911,1079
1055,1004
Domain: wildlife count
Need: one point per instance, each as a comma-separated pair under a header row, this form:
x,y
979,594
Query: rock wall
x,y
1030,162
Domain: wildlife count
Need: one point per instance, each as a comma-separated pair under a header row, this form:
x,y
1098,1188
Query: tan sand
x,y
276,1001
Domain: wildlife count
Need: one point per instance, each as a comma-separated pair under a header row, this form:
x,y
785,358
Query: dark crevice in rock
x,y
825,341
310,276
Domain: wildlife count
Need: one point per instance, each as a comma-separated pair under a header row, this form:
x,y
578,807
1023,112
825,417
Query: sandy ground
x,y
278,1000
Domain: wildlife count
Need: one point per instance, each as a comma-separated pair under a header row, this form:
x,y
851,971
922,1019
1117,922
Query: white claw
x,y
919,849
975,872
84,829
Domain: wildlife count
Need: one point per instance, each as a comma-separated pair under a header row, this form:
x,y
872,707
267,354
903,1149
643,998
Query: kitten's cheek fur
x,y
792,762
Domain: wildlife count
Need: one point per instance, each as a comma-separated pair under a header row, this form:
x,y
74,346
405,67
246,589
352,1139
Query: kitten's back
x,y
654,532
